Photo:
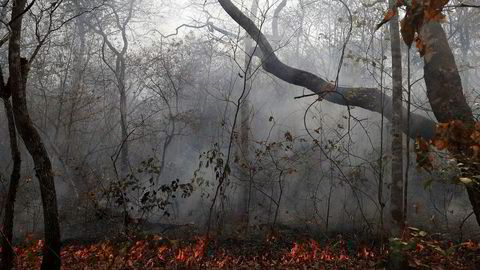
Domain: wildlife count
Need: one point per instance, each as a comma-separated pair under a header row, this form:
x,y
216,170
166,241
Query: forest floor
x,y
286,249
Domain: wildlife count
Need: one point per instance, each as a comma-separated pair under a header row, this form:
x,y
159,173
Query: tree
x,y
16,85
444,89
396,189
7,225
119,69
244,144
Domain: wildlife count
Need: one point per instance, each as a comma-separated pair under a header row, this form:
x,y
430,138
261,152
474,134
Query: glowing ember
x,y
159,253
181,256
365,253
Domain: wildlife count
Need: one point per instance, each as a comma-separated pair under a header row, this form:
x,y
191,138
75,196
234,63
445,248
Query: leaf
x,y
465,180
421,47
440,144
407,30
288,136
475,151
438,4
475,136
388,16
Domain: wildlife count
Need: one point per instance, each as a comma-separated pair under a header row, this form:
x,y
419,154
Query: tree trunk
x,y
396,188
397,259
445,94
7,226
18,68
244,168
123,120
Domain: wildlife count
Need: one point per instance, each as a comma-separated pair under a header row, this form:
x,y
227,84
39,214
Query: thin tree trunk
x,y
7,226
397,259
396,189
18,68
245,178
123,123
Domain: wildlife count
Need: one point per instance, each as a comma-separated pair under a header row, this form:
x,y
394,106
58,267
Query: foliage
x,y
141,193
417,14
458,138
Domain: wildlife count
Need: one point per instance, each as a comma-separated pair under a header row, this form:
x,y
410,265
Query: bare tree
x,y
119,69
17,83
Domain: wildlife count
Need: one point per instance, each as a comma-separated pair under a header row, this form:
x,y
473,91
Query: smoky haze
x,y
160,113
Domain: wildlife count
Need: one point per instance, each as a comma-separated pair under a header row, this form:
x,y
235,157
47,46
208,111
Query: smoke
x,y
311,164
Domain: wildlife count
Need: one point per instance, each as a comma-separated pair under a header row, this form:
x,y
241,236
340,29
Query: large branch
x,y
366,98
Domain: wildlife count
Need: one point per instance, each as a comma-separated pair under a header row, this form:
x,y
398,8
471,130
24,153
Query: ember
x,y
159,253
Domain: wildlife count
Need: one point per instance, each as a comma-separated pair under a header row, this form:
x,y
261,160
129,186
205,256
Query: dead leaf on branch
x,y
408,31
417,14
388,16
421,46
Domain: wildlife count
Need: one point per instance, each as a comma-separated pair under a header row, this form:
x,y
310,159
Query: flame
x,y
200,248
156,253
295,249
162,253
181,255
366,253
313,252
419,247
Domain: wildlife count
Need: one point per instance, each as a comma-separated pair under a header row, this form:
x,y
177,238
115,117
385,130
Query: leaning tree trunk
x,y
18,68
445,94
444,88
7,226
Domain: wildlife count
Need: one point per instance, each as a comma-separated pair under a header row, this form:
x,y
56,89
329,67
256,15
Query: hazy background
x,y
316,162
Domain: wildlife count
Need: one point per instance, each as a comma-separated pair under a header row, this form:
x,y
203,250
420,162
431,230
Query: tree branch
x,y
366,98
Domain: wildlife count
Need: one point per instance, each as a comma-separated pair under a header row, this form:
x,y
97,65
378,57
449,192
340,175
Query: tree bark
x,y
7,226
396,188
444,86
397,259
244,168
445,94
18,68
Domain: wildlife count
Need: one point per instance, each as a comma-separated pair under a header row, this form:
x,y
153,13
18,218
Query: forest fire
x,y
365,253
312,252
157,252
239,134
192,253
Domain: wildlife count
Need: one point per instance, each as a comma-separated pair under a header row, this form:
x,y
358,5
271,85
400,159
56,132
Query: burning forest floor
x,y
287,249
